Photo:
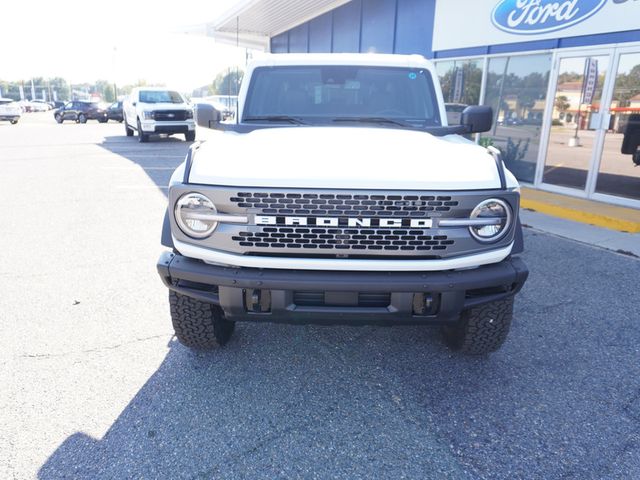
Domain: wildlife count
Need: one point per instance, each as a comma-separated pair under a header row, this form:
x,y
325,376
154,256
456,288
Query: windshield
x,y
324,94
160,96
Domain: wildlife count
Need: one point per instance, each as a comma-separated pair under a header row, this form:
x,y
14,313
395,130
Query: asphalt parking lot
x,y
94,385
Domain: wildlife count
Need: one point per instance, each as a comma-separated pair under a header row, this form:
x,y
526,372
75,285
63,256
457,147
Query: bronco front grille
x,y
344,204
338,223
358,239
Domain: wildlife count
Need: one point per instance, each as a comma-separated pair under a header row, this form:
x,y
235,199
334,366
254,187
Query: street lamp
x,y
115,88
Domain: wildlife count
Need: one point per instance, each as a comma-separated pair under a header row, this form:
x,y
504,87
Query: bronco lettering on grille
x,y
344,221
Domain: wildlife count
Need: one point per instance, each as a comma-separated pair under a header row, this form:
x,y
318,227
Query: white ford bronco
x,y
339,195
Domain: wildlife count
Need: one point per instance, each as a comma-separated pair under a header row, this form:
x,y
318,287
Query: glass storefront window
x,y
516,90
575,120
617,174
461,81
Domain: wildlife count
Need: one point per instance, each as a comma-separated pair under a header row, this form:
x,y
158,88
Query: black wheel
x,y
59,118
13,122
190,136
482,329
128,129
142,137
82,118
197,324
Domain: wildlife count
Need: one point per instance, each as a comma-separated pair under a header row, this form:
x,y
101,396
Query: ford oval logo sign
x,y
530,17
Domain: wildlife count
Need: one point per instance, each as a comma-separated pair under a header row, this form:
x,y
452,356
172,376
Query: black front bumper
x,y
274,295
170,129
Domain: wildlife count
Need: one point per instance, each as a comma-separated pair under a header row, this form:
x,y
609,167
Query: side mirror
x,y
207,116
477,119
631,139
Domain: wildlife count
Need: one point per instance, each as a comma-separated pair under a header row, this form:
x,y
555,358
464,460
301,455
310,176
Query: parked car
x,y
114,112
40,106
10,110
80,112
25,105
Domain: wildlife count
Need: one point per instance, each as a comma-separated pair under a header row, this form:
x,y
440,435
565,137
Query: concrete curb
x,y
580,210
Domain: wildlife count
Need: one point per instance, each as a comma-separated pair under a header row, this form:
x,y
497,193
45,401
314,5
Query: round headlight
x,y
491,209
192,212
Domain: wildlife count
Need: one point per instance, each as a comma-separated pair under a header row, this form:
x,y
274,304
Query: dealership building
x,y
562,76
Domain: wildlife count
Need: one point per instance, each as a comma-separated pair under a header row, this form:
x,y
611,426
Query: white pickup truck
x,y
155,110
339,195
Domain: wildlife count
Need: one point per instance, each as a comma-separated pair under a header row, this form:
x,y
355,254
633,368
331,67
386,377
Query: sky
x,y
115,40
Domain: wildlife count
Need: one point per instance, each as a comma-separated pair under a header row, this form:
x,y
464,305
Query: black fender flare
x,y
518,240
165,238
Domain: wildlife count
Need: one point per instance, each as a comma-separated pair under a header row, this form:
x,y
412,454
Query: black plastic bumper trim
x,y
510,273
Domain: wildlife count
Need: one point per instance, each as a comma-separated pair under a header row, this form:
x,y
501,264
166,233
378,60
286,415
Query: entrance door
x,y
577,125
617,174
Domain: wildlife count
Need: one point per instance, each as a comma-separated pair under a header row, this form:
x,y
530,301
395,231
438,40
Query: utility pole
x,y
115,88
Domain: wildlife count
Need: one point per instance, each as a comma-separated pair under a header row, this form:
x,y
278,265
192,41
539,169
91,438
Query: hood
x,y
163,106
344,157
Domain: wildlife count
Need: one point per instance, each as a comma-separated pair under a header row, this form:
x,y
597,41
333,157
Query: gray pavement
x,y
95,386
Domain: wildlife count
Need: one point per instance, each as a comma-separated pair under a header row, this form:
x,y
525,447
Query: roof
x,y
251,23
368,59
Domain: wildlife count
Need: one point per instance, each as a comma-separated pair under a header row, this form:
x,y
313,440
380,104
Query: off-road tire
x,y
128,129
59,118
481,330
82,118
199,325
142,137
190,136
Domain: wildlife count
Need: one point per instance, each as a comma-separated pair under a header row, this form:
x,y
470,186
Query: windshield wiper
x,y
373,120
275,118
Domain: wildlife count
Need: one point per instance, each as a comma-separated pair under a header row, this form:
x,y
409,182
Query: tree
x,y
627,86
562,103
60,87
105,90
227,82
472,76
